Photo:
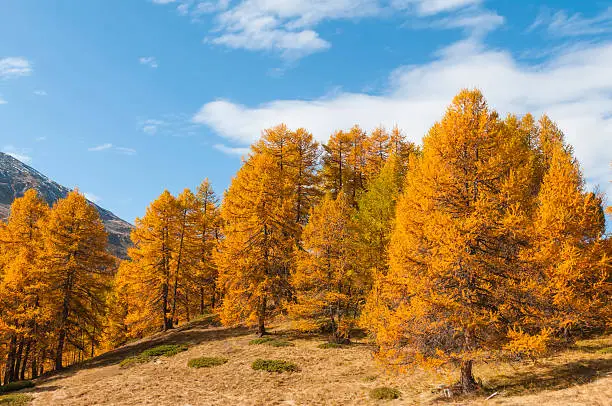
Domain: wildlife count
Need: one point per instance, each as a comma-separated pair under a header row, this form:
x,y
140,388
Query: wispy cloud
x,y
92,198
149,61
111,147
20,154
241,151
41,139
13,67
2,101
289,27
172,125
40,93
125,151
563,24
103,147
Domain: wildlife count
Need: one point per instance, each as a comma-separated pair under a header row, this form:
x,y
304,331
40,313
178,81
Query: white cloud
x,y
149,61
125,151
92,198
573,88
163,1
574,25
18,153
288,27
231,150
103,147
41,139
12,67
2,101
40,93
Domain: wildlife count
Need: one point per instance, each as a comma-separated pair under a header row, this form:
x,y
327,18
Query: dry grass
x,y
580,376
15,399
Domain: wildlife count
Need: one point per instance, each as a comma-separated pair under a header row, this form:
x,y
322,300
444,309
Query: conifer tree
x,y
568,248
153,266
328,281
79,270
23,288
453,268
255,256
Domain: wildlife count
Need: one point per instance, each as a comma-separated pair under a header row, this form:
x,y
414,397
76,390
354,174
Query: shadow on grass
x,y
190,334
550,377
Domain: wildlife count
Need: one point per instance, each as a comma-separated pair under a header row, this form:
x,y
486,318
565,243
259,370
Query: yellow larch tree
x,y
569,249
79,269
329,285
255,256
24,307
150,274
448,294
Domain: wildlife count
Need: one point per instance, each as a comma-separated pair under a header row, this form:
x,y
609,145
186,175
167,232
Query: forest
x,y
481,243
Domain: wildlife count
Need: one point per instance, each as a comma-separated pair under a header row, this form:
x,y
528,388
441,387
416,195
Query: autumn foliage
x,y
484,242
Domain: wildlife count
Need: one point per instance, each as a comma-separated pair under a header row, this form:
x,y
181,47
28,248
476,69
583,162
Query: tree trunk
x,y
59,353
10,360
261,316
17,367
201,300
468,383
25,360
33,367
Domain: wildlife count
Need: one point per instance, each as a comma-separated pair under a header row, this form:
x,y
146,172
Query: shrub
x,y
262,340
17,399
15,386
147,355
206,362
271,342
133,361
270,365
168,350
385,393
327,346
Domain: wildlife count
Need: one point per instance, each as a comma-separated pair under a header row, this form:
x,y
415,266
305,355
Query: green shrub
x,y
15,386
206,362
261,340
327,346
16,399
385,393
271,342
270,365
167,350
607,350
133,361
147,355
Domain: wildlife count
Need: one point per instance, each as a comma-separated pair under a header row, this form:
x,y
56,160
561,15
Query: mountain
x,y
16,178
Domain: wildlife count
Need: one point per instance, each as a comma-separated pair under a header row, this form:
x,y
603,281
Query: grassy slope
x,y
581,376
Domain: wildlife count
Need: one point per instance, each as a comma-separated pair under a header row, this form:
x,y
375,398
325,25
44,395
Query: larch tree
x,y
329,285
79,269
151,273
255,256
448,295
569,250
208,234
24,312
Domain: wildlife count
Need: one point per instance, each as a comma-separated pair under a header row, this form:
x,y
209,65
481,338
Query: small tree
x,y
329,285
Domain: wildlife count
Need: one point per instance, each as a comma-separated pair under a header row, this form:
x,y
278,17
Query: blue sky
x,y
126,98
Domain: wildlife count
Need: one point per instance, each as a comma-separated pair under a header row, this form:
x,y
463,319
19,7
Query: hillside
x,y
16,178
579,376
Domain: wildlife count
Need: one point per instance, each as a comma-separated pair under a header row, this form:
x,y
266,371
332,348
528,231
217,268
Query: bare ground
x,y
580,376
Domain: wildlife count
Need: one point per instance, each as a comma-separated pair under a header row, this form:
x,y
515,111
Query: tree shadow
x,y
551,377
190,334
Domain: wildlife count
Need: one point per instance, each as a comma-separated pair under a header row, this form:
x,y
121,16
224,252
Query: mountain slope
x,y
16,178
578,376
